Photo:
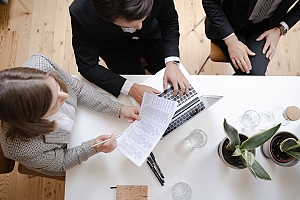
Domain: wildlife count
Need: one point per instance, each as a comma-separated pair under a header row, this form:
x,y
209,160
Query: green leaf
x,y
291,147
252,172
260,171
259,138
237,152
249,167
232,135
248,158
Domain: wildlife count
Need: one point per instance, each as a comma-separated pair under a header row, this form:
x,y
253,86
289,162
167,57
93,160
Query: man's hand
x,y
272,38
137,91
238,53
176,77
131,113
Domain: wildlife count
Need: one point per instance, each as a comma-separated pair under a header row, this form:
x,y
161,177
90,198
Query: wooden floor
x,y
47,31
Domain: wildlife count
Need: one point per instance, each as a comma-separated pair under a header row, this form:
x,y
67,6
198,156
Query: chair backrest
x,y
6,164
216,53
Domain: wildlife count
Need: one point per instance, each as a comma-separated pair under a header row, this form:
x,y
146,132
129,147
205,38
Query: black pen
x,y
152,163
154,166
155,173
159,171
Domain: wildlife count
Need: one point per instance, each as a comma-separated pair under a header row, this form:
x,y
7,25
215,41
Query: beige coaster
x,y
132,192
292,113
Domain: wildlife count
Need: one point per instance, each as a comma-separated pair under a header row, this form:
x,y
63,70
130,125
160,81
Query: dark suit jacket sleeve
x,y
293,16
87,58
217,18
168,21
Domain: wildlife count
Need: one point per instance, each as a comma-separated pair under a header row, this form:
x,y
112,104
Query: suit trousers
x,y
248,35
129,62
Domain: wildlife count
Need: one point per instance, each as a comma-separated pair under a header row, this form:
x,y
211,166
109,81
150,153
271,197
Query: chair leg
x,y
25,7
199,23
203,64
30,176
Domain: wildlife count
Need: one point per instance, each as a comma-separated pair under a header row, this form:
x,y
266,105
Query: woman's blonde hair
x,y
25,98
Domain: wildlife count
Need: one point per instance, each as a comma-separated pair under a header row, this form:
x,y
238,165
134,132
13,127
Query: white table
x,y
201,168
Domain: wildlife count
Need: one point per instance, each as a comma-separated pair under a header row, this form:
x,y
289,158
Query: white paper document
x,y
140,138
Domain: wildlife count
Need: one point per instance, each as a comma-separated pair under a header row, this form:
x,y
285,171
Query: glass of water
x,y
267,120
197,138
181,191
250,119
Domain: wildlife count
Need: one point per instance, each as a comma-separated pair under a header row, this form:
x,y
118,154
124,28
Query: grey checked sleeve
x,y
86,94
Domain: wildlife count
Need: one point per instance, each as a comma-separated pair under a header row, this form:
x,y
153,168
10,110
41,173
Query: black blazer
x,y
93,38
223,17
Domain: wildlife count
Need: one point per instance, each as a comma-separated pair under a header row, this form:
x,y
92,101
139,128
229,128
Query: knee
x,y
259,69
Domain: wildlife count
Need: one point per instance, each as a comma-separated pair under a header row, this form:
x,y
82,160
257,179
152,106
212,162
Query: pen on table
x,y
155,173
103,141
158,168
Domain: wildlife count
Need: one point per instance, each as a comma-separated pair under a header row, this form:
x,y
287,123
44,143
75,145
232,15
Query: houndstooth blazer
x,y
45,153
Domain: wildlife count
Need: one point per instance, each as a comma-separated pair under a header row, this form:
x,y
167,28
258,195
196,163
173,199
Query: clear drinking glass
x,y
280,116
181,191
250,119
197,138
267,119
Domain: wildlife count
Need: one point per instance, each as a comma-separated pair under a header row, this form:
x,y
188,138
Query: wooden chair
x,y
23,170
216,53
7,165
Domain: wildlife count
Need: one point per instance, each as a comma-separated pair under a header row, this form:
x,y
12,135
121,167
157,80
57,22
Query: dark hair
x,y
130,10
25,98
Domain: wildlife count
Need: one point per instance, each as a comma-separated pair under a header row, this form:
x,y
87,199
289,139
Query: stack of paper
x,y
140,138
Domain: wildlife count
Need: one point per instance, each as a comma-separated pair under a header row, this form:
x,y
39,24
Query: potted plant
x,y
238,151
283,149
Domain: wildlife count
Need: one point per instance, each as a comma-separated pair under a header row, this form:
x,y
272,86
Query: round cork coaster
x,y
292,113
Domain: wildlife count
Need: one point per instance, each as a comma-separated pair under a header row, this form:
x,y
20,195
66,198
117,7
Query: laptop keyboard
x,y
175,123
186,112
168,94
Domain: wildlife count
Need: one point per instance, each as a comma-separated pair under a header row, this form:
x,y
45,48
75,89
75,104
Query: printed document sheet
x,y
140,138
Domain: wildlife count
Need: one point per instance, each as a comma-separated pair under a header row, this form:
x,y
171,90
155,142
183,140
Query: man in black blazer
x,y
120,32
245,40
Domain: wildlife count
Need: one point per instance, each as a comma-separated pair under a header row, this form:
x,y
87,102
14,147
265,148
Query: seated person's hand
x,y
239,54
137,91
131,113
106,147
174,75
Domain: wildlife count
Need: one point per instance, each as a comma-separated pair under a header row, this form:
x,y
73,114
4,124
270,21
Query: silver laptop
x,y
188,105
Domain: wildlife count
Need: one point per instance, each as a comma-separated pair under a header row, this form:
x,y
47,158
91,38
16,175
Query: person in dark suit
x,y
120,32
248,31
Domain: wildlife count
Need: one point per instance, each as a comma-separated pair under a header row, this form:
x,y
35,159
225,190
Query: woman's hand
x,y
131,113
106,147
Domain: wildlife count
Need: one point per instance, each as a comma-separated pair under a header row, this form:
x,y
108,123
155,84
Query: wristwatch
x,y
282,29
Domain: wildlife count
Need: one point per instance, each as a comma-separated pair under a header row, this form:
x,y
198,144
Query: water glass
x,y
250,119
267,120
181,191
197,138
